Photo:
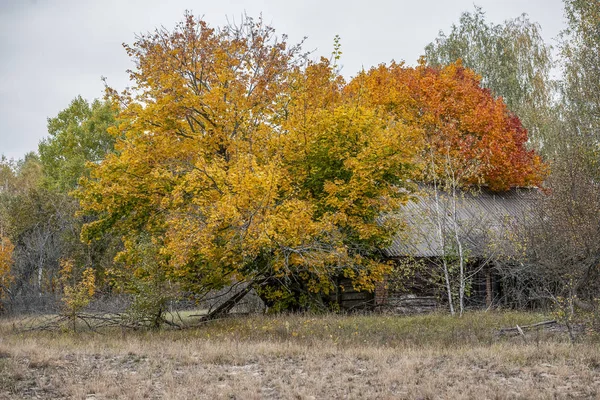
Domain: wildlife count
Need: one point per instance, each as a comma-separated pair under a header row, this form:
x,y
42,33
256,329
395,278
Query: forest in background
x,y
237,158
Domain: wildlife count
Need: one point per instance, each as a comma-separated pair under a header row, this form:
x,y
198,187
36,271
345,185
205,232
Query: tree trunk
x,y
461,257
440,232
228,304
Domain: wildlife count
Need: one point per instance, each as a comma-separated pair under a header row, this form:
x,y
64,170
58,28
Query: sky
x,y
54,50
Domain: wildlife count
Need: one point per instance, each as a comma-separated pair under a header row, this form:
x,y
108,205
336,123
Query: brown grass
x,y
304,357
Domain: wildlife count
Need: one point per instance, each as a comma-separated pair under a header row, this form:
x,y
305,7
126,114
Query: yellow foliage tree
x,y
78,291
243,161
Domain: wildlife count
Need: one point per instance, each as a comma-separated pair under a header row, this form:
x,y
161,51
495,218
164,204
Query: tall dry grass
x,y
303,357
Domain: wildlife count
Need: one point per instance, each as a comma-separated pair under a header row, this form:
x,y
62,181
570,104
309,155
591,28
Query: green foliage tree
x,y
562,241
580,51
78,135
567,240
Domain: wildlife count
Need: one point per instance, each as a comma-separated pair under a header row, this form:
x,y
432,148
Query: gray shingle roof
x,y
480,217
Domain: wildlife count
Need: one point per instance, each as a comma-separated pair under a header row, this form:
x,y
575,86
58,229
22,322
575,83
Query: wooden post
x,y
338,295
488,286
381,293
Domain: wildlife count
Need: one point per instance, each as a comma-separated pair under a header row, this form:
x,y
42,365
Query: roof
x,y
480,217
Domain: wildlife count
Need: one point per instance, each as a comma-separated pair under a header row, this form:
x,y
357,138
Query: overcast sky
x,y
54,50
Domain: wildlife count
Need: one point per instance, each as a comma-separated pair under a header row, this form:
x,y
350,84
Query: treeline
x,y
37,213
237,159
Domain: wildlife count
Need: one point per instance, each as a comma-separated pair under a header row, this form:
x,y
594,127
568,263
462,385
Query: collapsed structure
x,y
484,222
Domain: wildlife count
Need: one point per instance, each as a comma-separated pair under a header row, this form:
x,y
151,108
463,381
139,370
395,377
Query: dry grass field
x,y
304,357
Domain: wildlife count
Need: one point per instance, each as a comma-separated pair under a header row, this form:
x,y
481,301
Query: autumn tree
x,y
6,252
239,160
461,123
473,140
514,63
470,139
78,290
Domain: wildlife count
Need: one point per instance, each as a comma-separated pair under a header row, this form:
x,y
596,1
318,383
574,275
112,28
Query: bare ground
x,y
225,362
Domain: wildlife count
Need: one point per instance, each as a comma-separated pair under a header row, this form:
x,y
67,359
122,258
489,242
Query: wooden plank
x,y
355,296
355,304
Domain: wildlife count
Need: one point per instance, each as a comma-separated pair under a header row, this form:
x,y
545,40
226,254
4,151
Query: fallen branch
x,y
171,323
521,329
92,321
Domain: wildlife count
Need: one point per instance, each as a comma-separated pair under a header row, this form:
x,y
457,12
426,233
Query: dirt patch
x,y
302,374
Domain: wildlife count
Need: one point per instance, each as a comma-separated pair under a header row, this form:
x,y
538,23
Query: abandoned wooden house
x,y
435,222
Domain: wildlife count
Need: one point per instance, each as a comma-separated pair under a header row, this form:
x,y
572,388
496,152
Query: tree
x,y
237,159
563,252
242,161
470,139
37,215
77,292
465,130
513,61
29,219
564,240
580,47
78,135
41,225
6,251
568,242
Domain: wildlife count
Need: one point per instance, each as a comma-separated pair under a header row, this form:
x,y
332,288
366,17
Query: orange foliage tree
x,y
6,251
462,123
470,139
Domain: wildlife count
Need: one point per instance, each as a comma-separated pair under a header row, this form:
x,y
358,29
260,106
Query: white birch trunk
x,y
441,236
461,262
